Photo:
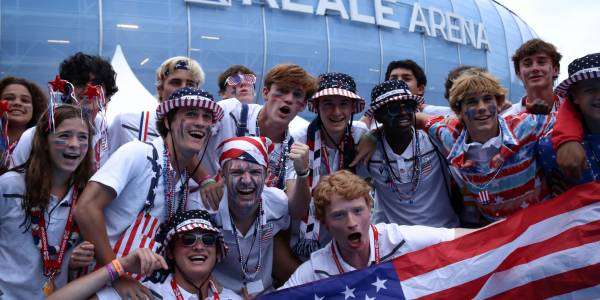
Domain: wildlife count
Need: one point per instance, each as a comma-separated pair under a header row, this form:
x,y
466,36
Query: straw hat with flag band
x,y
390,91
190,97
583,68
336,84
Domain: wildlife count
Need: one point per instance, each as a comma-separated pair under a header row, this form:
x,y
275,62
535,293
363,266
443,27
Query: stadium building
x,y
358,37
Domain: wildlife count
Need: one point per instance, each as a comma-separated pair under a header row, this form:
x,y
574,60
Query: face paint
x,y
471,113
245,183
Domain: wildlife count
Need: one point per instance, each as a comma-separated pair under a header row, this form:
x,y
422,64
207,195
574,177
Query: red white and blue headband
x,y
247,148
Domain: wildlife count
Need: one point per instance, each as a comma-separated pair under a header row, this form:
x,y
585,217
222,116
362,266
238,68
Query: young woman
x,y
192,245
24,105
36,223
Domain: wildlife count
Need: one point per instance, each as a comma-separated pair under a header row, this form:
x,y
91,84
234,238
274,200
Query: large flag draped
x,y
546,250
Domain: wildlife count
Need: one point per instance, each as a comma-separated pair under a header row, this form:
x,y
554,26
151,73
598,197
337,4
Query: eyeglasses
x,y
241,78
189,239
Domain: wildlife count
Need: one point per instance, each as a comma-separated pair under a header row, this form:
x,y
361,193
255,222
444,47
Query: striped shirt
x,y
509,182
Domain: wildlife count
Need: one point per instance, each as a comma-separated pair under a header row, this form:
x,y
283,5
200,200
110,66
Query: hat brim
x,y
190,101
563,88
359,102
374,107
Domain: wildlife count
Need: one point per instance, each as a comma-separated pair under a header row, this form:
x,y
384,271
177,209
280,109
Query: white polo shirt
x,y
394,240
20,258
130,172
23,148
165,290
429,205
275,218
232,109
129,126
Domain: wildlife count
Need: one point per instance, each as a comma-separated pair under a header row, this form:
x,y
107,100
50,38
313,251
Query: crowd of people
x,y
229,199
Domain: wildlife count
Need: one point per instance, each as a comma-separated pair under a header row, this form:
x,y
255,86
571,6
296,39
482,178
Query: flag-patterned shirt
x,y
505,184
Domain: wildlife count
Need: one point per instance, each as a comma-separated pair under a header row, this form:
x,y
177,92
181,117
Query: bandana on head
x,y
179,65
248,148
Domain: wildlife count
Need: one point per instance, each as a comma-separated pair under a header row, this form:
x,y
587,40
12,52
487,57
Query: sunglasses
x,y
241,78
189,239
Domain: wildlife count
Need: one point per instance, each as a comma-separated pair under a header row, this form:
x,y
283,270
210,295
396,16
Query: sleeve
x,y
126,163
23,149
417,237
567,127
277,208
302,275
438,110
442,132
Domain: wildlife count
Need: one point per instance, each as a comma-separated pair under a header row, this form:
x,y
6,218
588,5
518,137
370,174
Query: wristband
x,y
111,272
303,174
118,267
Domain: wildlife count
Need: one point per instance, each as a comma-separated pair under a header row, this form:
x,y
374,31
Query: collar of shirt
x,y
346,266
507,142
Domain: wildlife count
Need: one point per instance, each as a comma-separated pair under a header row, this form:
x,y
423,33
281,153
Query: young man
x,y
491,158
537,64
238,82
80,70
250,214
174,73
411,184
343,204
582,88
145,184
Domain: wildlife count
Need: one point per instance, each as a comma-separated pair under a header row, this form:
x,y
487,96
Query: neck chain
x,y
246,274
52,256
277,169
171,202
376,243
483,194
395,180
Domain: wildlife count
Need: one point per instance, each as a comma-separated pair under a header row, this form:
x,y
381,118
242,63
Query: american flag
x,y
546,250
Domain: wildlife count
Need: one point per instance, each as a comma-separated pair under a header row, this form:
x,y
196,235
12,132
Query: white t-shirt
x,y
127,127
394,240
430,203
165,291
20,258
130,172
438,110
227,128
23,149
276,218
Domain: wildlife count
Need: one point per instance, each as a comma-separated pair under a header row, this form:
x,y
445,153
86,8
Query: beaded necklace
x,y
416,169
52,256
247,275
277,169
171,202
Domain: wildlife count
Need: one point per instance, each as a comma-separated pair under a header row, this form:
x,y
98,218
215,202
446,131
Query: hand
x,y
299,154
571,160
538,107
129,288
143,261
211,194
366,148
82,256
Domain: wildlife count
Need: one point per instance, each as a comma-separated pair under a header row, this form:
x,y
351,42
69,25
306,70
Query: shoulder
x,y
275,202
12,181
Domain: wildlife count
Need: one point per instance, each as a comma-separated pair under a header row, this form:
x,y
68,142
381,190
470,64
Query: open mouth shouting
x,y
246,191
355,240
285,110
197,134
71,156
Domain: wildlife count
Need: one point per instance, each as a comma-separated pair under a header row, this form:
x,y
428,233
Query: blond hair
x,y
475,82
168,67
343,183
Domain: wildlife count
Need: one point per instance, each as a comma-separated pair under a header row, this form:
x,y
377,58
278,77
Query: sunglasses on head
x,y
189,239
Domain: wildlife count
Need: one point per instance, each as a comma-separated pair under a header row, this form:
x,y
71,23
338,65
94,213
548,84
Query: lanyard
x,y
178,295
376,242
52,266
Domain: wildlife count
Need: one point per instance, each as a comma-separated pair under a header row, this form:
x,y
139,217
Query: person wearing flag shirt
x,y
37,229
582,89
144,184
22,103
537,64
250,214
412,186
91,81
492,158
191,247
343,205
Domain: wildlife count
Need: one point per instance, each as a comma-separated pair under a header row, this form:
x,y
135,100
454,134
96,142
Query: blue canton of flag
x,y
377,282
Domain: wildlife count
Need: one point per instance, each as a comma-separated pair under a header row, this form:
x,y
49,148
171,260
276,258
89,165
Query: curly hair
x,y
343,183
235,69
38,168
288,76
409,65
77,70
532,47
39,100
474,82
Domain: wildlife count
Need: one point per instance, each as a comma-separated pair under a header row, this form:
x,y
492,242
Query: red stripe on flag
x,y
152,234
146,126
555,285
428,259
574,237
132,234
